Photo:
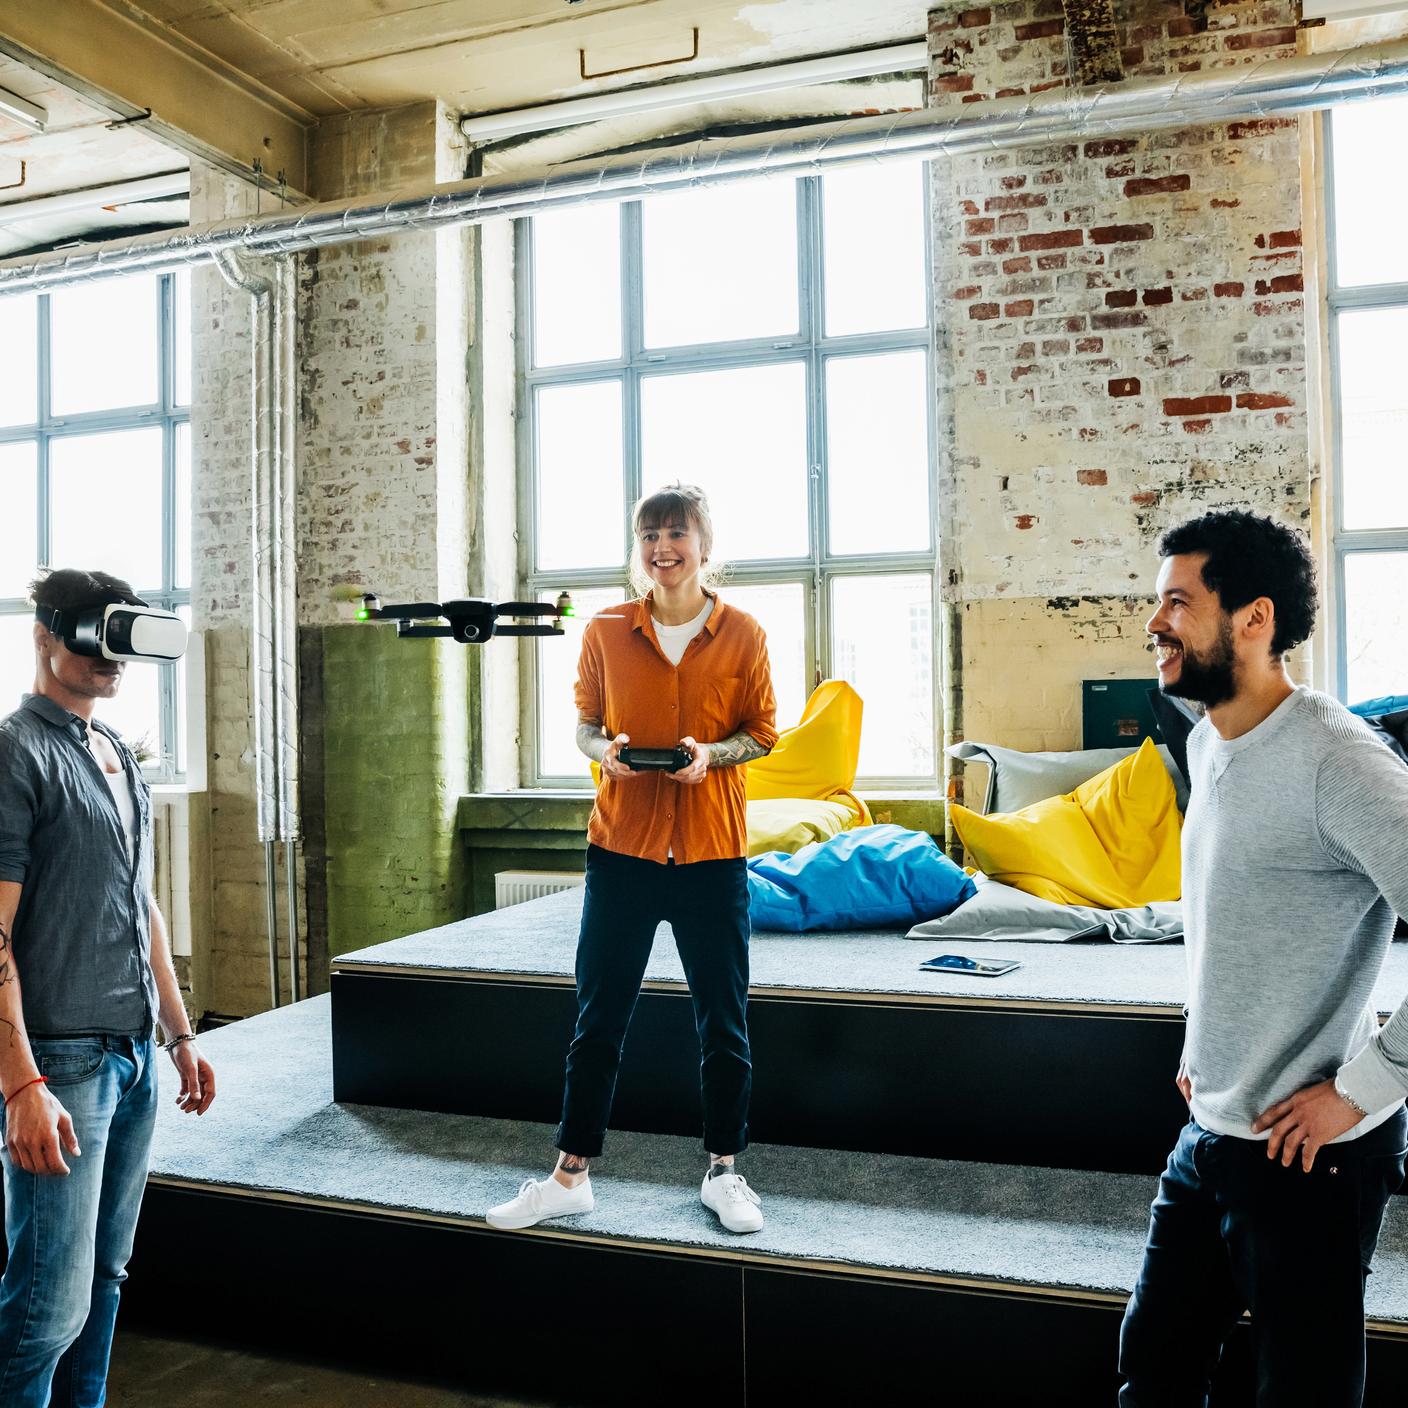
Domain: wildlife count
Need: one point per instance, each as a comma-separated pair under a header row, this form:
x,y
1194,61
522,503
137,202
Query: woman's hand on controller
x,y
611,764
696,770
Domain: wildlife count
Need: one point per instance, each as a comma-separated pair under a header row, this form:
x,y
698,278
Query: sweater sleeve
x,y
1361,797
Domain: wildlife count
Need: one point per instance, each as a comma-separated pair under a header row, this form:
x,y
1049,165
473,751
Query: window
x,y
1368,332
95,468
769,341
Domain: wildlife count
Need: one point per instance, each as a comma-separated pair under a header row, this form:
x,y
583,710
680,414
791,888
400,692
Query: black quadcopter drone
x,y
472,621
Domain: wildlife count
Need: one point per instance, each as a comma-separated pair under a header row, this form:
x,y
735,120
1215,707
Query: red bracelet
x,y
38,1080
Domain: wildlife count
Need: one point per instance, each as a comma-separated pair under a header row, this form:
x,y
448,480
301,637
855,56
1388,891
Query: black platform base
x,y
581,1322
872,1075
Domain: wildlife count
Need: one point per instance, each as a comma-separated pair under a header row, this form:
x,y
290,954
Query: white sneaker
x,y
736,1205
538,1200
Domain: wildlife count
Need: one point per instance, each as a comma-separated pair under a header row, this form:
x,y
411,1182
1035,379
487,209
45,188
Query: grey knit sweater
x,y
1295,857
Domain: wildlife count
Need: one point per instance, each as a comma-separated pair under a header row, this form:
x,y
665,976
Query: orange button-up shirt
x,y
721,685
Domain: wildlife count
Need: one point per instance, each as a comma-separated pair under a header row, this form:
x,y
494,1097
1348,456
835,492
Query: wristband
x,y
177,1040
1349,1099
38,1080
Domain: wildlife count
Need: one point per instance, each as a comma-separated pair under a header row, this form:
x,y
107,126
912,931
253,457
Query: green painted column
x,y
396,743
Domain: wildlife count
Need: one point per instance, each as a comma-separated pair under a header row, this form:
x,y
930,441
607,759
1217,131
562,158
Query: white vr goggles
x,y
118,631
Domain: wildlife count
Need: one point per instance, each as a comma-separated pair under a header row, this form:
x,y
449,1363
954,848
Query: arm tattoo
x,y
591,740
7,975
742,747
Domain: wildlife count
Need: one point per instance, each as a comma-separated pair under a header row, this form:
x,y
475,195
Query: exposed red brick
x,y
1217,204
1018,308
1121,234
1116,169
1288,283
1197,427
1123,385
1279,239
1051,239
1262,401
968,207
1040,29
974,19
1133,56
1023,200
1026,520
1013,183
1257,127
1157,185
1196,405
1121,298
952,83
1267,309
1110,146
1228,290
1145,499
1092,476
1193,295
1002,246
1090,344
982,311
979,227
971,247
1134,318
1261,38
1186,25
1155,296
974,98
968,291
1019,373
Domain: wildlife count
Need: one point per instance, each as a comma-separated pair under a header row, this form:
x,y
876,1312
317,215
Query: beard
x,y
1207,678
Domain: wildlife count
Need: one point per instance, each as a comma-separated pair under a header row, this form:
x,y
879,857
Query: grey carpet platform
x,y
274,1133
537,940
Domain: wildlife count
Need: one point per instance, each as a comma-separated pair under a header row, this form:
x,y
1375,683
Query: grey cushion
x,y
1016,780
999,911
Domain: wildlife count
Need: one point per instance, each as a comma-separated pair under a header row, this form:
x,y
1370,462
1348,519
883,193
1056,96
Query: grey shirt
x,y
82,936
1295,856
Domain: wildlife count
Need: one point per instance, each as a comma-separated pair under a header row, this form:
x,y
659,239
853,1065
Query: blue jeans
x,y
706,904
70,1236
1231,1230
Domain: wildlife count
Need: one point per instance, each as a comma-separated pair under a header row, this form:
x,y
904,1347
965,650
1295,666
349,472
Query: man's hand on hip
x,y
197,1079
38,1130
1301,1125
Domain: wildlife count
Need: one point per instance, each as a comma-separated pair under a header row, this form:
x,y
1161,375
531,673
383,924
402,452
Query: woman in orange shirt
x,y
676,666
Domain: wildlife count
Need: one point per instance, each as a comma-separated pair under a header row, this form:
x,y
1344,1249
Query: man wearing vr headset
x,y
85,975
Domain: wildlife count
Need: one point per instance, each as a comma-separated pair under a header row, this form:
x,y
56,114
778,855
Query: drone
x,y
472,621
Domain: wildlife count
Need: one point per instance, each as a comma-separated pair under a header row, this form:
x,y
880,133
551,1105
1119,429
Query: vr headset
x,y
118,631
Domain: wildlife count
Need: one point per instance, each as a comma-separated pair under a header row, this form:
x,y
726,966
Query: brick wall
x,y
1122,345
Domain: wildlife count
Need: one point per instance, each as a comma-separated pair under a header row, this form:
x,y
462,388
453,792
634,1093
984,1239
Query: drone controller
x,y
471,621
656,759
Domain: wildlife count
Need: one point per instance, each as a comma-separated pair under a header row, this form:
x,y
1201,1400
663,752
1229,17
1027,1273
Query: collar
x,y
60,717
643,612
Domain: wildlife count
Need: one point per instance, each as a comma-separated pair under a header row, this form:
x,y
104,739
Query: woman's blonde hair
x,y
675,506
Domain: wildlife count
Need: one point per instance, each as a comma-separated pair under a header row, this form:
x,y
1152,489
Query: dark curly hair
x,y
72,589
1249,556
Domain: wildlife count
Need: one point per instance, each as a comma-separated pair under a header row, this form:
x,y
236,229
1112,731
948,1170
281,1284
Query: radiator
x,y
515,886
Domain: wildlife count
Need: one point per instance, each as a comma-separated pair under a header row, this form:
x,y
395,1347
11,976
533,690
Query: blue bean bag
x,y
1384,704
867,878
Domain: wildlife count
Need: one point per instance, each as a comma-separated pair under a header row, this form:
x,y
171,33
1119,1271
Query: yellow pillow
x,y
1112,843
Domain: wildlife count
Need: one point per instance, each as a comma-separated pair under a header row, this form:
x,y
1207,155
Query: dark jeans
x,y
706,904
1231,1230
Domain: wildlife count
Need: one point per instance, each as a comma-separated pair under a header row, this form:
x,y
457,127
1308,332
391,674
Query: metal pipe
x,y
291,890
1273,87
113,193
263,446
733,83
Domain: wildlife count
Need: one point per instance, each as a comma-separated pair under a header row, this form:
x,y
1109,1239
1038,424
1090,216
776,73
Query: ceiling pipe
x,y
22,110
1275,87
114,193
735,83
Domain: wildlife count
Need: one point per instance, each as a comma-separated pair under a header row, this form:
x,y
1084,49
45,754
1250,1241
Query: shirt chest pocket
x,y
714,707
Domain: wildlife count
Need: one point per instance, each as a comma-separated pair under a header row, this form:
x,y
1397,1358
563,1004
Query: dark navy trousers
x,y
706,904
1234,1231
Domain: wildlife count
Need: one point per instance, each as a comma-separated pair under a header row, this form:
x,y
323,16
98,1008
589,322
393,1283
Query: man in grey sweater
x,y
1295,857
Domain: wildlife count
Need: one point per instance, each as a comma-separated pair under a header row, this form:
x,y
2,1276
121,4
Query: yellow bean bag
x,y
789,823
1112,843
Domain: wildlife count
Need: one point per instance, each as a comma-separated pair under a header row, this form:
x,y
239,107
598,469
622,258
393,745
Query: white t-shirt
x,y
122,796
674,640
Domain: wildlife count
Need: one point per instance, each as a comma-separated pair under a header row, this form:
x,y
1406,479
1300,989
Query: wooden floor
x,y
150,1371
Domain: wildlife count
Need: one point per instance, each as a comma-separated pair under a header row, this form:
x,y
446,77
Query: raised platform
x,y
854,1047
875,1275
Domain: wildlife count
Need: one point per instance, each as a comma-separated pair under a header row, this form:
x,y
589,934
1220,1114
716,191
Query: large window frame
x,y
1347,541
815,572
165,412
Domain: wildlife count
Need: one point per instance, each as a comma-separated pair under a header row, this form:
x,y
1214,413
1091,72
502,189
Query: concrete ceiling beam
x,y
196,103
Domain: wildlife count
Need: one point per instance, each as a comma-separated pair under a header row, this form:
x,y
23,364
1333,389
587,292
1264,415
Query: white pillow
x,y
1016,779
